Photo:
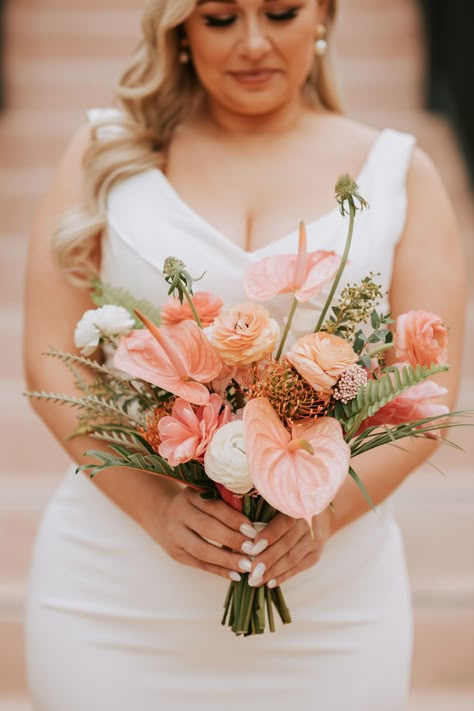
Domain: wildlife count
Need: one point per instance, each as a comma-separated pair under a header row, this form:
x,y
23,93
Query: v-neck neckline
x,y
252,252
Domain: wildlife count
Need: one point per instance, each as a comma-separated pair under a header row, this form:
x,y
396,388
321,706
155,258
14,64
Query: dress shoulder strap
x,y
386,183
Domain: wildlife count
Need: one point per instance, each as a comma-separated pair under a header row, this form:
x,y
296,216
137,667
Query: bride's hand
x,y
186,520
290,548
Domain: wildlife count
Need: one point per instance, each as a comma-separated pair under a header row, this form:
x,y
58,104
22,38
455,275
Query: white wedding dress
x,y
114,624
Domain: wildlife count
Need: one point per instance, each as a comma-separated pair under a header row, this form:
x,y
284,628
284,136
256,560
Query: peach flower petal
x,y
207,305
304,275
244,334
421,338
321,358
171,357
186,433
284,472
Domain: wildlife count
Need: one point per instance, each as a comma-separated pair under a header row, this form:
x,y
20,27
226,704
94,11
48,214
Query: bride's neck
x,y
283,119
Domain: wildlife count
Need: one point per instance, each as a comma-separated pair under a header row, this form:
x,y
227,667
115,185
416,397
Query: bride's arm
x,y
176,518
428,274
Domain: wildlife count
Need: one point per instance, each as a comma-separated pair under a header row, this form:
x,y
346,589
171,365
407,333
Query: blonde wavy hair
x,y
155,93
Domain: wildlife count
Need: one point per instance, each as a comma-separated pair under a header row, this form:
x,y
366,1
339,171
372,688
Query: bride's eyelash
x,y
227,20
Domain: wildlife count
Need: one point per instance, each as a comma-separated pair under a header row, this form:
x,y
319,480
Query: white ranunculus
x,y
225,460
87,335
108,320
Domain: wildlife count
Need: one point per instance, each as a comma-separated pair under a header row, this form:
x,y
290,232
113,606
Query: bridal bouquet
x,y
213,398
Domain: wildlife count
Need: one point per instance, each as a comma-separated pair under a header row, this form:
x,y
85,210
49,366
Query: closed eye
x,y
227,20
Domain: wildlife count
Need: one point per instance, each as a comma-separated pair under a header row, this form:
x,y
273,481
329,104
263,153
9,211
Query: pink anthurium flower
x,y
171,357
300,472
303,275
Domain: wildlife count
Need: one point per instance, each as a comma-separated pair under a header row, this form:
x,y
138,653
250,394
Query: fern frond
x,y
131,441
104,294
192,474
95,405
377,393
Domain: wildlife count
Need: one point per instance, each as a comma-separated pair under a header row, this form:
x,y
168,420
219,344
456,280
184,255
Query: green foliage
x,y
356,304
373,437
192,473
104,294
377,393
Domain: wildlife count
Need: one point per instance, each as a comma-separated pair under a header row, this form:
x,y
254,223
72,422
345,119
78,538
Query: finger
x,y
187,559
210,528
281,548
277,528
221,511
292,558
209,553
304,564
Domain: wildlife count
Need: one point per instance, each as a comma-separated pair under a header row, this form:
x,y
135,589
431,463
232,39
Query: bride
x,y
229,133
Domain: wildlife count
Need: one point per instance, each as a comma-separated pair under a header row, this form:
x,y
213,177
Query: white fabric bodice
x,y
148,221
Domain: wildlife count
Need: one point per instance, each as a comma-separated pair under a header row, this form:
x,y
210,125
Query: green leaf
x,y
374,319
361,486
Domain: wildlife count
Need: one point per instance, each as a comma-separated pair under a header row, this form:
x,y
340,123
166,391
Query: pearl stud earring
x,y
184,55
320,45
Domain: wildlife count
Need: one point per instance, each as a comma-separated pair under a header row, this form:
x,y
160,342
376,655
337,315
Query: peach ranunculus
x,y
244,334
186,433
321,358
303,275
177,358
421,338
207,305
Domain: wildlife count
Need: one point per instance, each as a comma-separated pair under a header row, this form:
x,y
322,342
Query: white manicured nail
x,y
245,564
272,583
259,570
234,575
247,547
247,530
259,547
253,582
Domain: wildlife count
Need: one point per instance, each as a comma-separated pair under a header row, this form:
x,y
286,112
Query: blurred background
x,y
399,59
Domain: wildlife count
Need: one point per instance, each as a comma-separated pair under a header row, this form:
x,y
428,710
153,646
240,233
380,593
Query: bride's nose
x,y
255,42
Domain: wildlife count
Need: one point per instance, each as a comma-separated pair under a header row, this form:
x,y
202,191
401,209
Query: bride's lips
x,y
254,76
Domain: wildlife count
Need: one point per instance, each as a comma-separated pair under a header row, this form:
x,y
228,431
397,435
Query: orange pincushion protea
x,y
150,432
289,394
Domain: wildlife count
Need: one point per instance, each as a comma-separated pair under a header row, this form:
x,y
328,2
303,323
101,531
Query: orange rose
x,y
244,334
421,338
206,304
321,358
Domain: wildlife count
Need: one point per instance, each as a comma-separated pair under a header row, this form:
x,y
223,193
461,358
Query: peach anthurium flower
x,y
321,358
300,472
171,357
207,305
304,275
186,433
421,338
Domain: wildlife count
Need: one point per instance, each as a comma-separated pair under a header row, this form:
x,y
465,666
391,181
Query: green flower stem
x,y
380,349
193,308
271,618
337,279
287,328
